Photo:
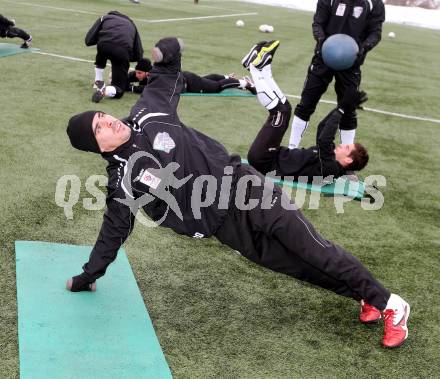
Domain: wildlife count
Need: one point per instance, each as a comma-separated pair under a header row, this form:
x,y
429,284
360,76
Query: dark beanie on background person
x,y
143,65
80,132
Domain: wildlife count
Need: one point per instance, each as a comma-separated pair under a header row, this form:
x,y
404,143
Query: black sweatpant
x,y
318,78
120,60
263,152
14,32
212,83
284,241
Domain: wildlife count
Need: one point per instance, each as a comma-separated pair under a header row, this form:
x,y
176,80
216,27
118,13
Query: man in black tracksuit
x,y
360,19
323,160
189,183
117,39
9,30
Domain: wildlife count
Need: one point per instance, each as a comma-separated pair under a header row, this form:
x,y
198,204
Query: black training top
x,y
160,168
360,19
314,161
119,30
5,23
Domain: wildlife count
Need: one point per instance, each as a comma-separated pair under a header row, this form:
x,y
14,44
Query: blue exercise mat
x,y
86,335
7,49
232,92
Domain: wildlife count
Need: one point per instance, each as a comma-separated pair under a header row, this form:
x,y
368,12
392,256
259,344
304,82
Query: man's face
x,y
109,131
141,75
342,153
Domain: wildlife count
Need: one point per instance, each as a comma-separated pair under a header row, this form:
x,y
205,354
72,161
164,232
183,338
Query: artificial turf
x,y
216,314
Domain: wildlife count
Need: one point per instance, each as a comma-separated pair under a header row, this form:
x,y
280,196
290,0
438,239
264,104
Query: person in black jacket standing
x,y
9,30
117,39
186,181
360,19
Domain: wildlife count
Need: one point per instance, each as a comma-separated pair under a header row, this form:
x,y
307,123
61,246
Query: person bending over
x,y
9,30
158,163
117,39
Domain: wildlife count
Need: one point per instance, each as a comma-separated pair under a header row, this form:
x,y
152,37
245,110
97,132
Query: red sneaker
x,y
369,314
395,328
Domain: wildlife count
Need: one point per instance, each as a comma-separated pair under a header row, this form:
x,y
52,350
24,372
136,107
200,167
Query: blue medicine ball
x,y
339,51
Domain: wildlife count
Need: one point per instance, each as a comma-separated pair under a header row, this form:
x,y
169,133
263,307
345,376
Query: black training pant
x,y
263,152
120,60
318,78
284,241
14,32
212,83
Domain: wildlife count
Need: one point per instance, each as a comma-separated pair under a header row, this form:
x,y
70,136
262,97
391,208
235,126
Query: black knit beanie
x,y
80,132
143,65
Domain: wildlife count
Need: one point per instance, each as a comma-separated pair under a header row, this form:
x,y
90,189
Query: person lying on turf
x,y
323,160
188,182
193,83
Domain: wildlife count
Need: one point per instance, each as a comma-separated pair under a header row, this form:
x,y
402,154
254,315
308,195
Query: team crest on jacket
x,y
163,142
357,11
149,179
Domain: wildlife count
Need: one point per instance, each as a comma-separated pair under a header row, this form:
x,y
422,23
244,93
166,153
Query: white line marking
x,y
140,19
401,115
55,8
212,7
196,18
64,57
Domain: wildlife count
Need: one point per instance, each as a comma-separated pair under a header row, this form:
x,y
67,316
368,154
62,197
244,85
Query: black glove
x,y
362,53
81,283
318,46
351,100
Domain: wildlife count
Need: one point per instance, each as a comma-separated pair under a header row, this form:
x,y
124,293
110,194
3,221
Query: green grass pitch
x,y
216,314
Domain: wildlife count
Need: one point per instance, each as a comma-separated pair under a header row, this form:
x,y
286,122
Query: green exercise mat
x,y
7,49
87,335
232,92
340,187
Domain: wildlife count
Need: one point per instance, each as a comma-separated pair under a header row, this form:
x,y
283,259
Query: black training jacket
x,y
5,23
314,161
117,29
162,161
360,19
139,88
